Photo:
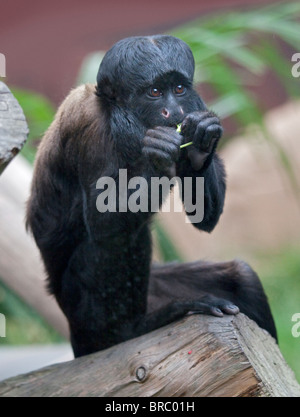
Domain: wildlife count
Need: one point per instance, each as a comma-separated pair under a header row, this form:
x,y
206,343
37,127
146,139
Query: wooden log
x,y
13,126
199,356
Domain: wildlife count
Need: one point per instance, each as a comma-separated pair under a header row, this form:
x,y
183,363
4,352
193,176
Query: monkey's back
x,y
55,206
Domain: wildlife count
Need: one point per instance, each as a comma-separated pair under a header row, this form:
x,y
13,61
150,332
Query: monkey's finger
x,y
230,309
158,156
162,145
215,306
162,140
203,308
212,133
201,129
165,129
194,118
191,121
165,133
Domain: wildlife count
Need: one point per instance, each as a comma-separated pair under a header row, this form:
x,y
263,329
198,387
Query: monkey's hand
x,y
161,146
204,130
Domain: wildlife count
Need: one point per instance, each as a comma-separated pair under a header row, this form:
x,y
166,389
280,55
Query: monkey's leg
x,y
101,292
234,281
104,297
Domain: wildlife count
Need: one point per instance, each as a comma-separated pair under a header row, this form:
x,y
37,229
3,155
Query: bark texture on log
x,y
13,126
199,356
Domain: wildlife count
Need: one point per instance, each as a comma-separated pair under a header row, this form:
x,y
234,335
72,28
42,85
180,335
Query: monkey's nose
x,y
165,113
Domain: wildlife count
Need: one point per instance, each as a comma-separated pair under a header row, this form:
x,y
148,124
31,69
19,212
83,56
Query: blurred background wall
x,y
45,42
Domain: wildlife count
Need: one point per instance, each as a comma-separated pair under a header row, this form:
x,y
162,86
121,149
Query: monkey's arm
x,y
200,160
214,192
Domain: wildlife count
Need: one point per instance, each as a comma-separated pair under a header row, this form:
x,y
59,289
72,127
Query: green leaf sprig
x,y
185,144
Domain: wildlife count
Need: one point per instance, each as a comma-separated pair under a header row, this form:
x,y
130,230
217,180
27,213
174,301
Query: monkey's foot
x,y
209,304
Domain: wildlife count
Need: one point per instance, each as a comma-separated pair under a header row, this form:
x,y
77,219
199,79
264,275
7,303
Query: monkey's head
x,y
151,76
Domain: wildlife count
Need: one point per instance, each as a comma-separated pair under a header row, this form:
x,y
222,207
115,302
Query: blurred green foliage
x,y
233,49
280,274
23,325
165,246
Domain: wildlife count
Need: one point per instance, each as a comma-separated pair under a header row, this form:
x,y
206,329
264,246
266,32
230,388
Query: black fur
x,y
99,264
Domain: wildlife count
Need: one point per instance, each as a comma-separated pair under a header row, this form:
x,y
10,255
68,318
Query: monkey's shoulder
x,y
80,94
80,108
77,121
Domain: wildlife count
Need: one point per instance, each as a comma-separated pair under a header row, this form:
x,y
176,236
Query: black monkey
x,y
99,264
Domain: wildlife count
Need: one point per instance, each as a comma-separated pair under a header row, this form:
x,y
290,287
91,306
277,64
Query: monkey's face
x,y
165,102
150,78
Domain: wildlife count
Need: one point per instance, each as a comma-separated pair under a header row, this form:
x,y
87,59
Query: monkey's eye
x,y
154,92
179,89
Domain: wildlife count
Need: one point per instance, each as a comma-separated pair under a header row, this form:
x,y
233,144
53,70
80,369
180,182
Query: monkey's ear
x,y
105,90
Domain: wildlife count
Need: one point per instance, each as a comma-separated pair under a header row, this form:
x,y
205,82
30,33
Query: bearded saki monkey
x,y
99,263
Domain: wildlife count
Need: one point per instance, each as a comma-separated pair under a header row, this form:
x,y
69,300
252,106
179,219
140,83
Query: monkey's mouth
x,y
175,125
